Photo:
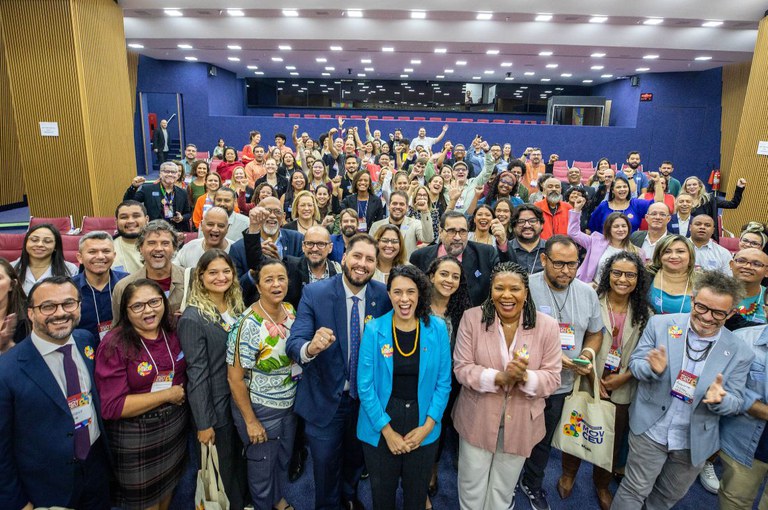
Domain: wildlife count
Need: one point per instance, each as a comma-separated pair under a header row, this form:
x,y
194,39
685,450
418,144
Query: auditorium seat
x,y
239,155
530,122
730,243
387,117
467,120
281,115
203,155
584,166
359,117
561,164
65,224
451,119
10,246
542,122
310,116
499,121
70,244
515,121
214,164
325,116
373,117
560,173
403,117
436,119
419,118
93,223
483,121
615,167
190,236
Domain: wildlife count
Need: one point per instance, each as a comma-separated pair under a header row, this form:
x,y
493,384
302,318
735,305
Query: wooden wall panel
x,y
735,80
133,76
753,127
11,177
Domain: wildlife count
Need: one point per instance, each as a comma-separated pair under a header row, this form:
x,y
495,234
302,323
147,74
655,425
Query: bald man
x,y
657,216
709,254
750,266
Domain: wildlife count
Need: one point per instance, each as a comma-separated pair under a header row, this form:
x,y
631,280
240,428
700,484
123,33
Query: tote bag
x,y
209,492
587,426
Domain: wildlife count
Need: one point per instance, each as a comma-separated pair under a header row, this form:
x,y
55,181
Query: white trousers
x,y
487,480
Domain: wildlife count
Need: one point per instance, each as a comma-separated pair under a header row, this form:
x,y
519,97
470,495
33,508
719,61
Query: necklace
x,y
703,353
397,345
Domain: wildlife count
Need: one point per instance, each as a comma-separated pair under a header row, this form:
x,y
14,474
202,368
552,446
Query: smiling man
x,y
163,200
750,267
415,231
130,216
691,371
213,229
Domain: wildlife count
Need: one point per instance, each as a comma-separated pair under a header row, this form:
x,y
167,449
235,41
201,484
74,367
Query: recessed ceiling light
x,y
523,88
566,75
403,76
284,47
547,91
448,71
368,69
361,75
488,71
387,49
330,68
641,69
606,76
546,79
260,73
543,17
321,60
253,67
325,74
559,88
290,68
421,93
408,70
597,68
703,57
551,66
280,81
598,19
650,57
586,81
172,12
416,62
233,59
235,12
440,76
441,50
397,93
597,55
294,74
136,46
184,46
545,53
506,64
475,77
279,88
418,14
492,52
365,60
461,62
290,12
653,21
277,59
446,93
529,73
484,16
509,78
355,13
294,84
326,91
234,47
711,23
191,59
336,48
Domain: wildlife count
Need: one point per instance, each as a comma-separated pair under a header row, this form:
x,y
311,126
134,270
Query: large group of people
x,y
359,299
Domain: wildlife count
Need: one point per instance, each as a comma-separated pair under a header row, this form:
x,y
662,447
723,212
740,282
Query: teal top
x,y
667,303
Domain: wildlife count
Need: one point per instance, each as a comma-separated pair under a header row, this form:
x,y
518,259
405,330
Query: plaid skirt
x,y
149,453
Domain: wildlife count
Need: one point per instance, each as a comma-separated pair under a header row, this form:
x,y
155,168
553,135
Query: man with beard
x,y
226,198
52,453
709,254
554,210
348,224
163,200
313,265
527,244
255,170
673,185
130,216
161,141
351,166
657,218
96,253
190,155
478,260
213,229
634,173
157,244
414,230
574,305
325,340
426,141
535,168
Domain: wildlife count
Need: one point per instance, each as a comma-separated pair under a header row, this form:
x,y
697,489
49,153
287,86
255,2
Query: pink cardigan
x,y
477,415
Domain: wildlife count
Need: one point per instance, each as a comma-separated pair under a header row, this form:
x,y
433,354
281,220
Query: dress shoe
x,y
605,498
354,504
565,486
296,467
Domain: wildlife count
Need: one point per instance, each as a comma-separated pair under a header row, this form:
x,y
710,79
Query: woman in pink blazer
x,y
507,359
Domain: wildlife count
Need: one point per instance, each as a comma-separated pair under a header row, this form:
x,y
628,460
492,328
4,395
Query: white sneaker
x,y
708,478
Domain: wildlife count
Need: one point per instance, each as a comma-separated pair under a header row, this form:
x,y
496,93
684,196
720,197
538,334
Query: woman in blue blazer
x,y
403,381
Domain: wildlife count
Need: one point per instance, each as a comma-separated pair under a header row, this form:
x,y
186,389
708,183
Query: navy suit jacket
x,y
673,227
149,194
323,305
37,446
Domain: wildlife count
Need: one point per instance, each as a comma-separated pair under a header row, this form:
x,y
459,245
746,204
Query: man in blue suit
x,y
692,371
325,339
52,451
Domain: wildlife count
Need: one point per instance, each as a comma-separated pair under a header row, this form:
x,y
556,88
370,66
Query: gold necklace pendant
x,y
397,345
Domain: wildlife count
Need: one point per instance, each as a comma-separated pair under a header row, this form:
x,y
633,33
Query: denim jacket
x,y
740,434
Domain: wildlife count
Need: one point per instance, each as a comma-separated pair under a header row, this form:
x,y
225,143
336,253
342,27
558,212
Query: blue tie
x,y
354,346
82,437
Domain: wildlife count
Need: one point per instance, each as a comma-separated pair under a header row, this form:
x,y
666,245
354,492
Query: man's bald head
x,y
744,265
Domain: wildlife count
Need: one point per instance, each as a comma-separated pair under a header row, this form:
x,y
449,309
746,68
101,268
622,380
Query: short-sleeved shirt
x,y
578,305
261,346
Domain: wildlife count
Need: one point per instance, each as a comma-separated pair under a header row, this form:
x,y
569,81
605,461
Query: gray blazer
x,y
729,356
205,348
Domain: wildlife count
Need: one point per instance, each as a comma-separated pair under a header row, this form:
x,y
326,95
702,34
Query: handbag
x,y
587,425
185,296
209,492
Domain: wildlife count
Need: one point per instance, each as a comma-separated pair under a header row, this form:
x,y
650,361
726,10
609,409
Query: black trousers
x,y
91,484
387,469
533,469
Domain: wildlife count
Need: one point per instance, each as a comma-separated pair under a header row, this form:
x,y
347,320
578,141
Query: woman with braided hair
x,y
508,360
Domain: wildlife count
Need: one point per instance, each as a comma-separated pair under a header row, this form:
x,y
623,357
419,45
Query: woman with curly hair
x,y
508,360
296,183
623,293
403,381
504,185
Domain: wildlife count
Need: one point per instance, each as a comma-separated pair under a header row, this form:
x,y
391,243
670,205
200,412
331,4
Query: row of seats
x,y
404,118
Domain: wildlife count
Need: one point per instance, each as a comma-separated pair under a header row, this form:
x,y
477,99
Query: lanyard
x,y
559,308
685,292
95,306
157,369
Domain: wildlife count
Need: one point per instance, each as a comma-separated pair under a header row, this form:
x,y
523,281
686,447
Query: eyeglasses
x,y
168,172
48,308
453,231
318,244
275,211
752,244
139,306
529,221
560,264
741,261
392,242
657,215
629,275
508,182
718,315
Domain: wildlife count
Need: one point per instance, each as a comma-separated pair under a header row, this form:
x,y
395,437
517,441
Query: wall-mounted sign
x,y
49,129
646,96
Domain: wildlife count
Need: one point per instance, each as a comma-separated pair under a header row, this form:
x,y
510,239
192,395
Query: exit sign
x,y
646,96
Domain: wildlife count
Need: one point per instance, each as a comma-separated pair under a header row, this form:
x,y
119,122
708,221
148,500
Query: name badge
x,y
567,336
104,327
155,193
613,361
459,203
80,407
362,226
685,386
163,381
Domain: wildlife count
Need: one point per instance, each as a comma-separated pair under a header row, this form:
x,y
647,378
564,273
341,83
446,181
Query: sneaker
x,y
537,497
708,478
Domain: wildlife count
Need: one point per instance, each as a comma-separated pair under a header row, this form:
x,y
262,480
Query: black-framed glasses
x,y
315,244
392,242
275,211
741,261
529,221
560,264
460,231
48,308
751,244
140,306
718,315
629,275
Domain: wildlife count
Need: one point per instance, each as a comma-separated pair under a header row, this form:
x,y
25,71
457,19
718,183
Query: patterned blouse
x,y
261,346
